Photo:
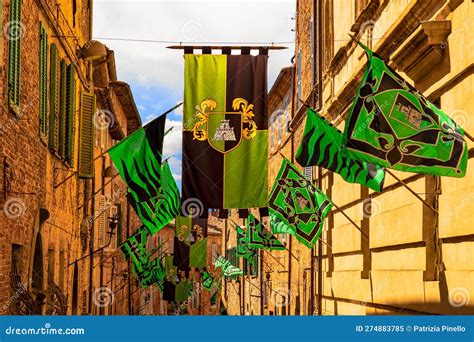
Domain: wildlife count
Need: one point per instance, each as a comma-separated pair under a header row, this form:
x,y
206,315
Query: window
x,y
287,115
84,302
299,80
86,138
214,252
54,98
14,64
43,83
196,295
61,270
70,118
51,263
279,124
102,212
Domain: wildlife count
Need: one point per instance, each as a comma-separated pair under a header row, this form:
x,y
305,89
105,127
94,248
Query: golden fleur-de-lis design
x,y
201,114
247,115
198,230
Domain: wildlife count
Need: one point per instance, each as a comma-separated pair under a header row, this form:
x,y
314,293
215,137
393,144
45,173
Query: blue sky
x,y
155,73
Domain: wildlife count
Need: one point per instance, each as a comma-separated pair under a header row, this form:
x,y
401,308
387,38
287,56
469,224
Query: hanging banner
x,y
391,124
225,138
299,205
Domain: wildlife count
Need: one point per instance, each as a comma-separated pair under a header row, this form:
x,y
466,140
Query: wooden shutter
x,y
70,114
14,65
84,302
62,110
308,172
86,137
43,82
102,221
54,99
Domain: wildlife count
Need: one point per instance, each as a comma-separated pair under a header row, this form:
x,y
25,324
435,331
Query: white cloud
x,y
173,140
151,64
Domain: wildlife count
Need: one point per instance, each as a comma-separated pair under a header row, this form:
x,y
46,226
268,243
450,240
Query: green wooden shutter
x,y
43,82
255,266
70,114
14,65
62,110
86,136
54,99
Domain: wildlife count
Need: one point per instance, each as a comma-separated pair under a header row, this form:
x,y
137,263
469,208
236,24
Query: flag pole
x,y
349,219
411,190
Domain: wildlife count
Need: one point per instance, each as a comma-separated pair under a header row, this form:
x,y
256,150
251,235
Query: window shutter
x,y
43,82
102,219
14,65
300,61
86,139
62,110
255,265
84,302
54,98
70,114
308,172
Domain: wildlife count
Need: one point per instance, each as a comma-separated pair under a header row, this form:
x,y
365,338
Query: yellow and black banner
x,y
225,137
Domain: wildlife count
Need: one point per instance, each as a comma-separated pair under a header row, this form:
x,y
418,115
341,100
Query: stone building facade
x,y
415,261
54,173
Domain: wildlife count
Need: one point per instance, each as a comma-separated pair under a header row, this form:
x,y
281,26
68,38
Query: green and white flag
x,y
259,237
228,270
392,124
152,190
298,204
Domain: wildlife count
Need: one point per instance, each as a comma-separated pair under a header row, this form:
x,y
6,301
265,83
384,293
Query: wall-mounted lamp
x,y
92,51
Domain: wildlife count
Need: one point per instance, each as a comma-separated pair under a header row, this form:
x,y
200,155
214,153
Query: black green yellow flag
x,y
298,204
259,237
321,146
152,190
243,248
183,290
225,136
190,243
391,124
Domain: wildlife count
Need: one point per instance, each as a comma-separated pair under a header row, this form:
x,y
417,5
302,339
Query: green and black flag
x,y
147,271
391,124
208,280
152,190
321,146
243,249
225,133
298,204
258,237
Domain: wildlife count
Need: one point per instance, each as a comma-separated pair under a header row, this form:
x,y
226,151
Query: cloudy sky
x,y
155,73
